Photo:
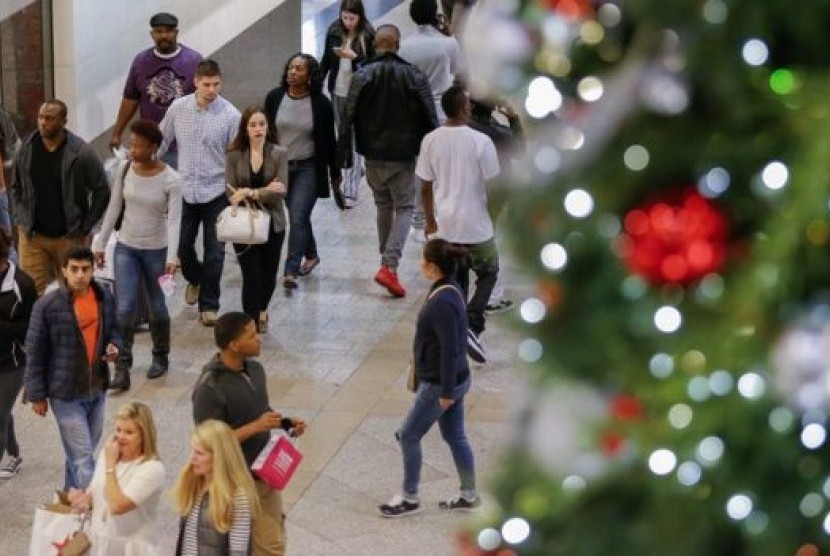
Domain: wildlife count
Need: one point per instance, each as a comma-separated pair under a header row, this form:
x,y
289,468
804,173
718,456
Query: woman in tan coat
x,y
256,170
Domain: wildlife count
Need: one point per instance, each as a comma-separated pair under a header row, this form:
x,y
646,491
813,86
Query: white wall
x,y
95,41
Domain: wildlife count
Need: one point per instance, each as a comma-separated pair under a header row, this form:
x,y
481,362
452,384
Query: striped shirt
x,y
203,136
238,536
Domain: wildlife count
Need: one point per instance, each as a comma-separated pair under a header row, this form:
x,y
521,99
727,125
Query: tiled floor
x,y
335,355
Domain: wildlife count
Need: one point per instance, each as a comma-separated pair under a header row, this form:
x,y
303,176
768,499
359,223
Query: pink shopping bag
x,y
277,461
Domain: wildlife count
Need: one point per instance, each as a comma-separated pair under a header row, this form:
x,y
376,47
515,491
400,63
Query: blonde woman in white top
x,y
125,489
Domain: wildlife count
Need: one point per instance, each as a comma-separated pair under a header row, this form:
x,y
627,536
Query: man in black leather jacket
x,y
390,106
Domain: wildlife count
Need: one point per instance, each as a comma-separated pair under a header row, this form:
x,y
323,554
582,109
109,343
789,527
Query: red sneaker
x,y
388,278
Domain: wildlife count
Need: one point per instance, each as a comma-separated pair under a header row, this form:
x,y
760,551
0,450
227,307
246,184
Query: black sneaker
x,y
474,348
500,307
399,507
460,503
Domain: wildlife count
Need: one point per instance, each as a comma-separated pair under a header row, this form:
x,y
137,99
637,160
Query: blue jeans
x,y
136,268
80,423
422,415
207,273
302,196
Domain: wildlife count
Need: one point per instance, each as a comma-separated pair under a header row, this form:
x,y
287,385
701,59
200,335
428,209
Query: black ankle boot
x,y
121,380
160,334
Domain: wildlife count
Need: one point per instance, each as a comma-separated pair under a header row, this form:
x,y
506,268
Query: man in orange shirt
x,y
72,335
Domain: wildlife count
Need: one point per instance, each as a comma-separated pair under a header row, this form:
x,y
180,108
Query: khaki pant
x,y
41,256
268,529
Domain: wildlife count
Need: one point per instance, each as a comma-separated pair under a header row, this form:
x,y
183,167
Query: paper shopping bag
x,y
54,532
277,461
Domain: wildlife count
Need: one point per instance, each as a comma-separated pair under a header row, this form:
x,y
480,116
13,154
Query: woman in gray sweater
x,y
257,170
145,209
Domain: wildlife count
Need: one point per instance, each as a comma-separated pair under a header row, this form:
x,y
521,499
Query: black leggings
x,y
259,265
11,383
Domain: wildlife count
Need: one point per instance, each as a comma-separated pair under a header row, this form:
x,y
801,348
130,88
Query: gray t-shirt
x,y
294,127
152,212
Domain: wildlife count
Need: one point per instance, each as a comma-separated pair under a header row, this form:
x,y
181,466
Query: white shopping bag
x,y
108,271
52,529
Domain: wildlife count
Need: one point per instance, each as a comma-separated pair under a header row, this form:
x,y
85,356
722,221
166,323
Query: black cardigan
x,y
329,61
325,143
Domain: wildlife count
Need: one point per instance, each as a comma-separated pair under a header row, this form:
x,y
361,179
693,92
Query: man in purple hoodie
x,y
157,77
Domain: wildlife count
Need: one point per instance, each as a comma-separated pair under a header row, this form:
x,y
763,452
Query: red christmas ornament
x,y
676,239
626,408
573,9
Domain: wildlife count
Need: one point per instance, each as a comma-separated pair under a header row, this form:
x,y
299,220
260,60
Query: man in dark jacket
x,y
72,335
59,191
391,108
232,389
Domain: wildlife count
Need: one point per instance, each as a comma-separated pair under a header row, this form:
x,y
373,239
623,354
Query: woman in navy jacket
x,y
17,296
440,360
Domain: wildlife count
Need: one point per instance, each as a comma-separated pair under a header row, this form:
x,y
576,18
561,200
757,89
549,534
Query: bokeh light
x,y
752,386
739,506
668,319
710,450
554,257
530,350
775,175
636,158
533,310
579,203
755,52
813,436
590,89
662,461
515,530
542,97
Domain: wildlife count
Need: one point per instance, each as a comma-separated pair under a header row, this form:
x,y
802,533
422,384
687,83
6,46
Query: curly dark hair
x,y
149,130
315,83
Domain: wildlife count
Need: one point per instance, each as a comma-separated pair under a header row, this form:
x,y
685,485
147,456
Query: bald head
x,y
387,38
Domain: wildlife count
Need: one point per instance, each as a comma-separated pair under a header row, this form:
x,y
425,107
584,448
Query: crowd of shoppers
x,y
394,110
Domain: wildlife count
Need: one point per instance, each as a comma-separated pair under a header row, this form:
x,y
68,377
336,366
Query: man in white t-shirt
x,y
456,166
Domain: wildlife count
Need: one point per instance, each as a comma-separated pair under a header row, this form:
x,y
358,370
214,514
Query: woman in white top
x,y
145,208
125,488
215,495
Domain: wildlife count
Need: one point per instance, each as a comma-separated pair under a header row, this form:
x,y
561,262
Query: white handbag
x,y
247,224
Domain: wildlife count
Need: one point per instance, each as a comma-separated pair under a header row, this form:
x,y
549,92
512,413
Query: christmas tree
x,y
674,213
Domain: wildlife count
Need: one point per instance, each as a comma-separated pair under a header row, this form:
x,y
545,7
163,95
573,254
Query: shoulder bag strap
x,y
123,201
445,287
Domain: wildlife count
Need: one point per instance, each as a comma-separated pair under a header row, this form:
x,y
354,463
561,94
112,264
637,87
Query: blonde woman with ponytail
x,y
215,495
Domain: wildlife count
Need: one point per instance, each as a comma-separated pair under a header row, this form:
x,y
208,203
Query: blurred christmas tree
x,y
677,224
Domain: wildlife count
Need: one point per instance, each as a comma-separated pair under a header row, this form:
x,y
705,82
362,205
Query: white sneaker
x,y
12,467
